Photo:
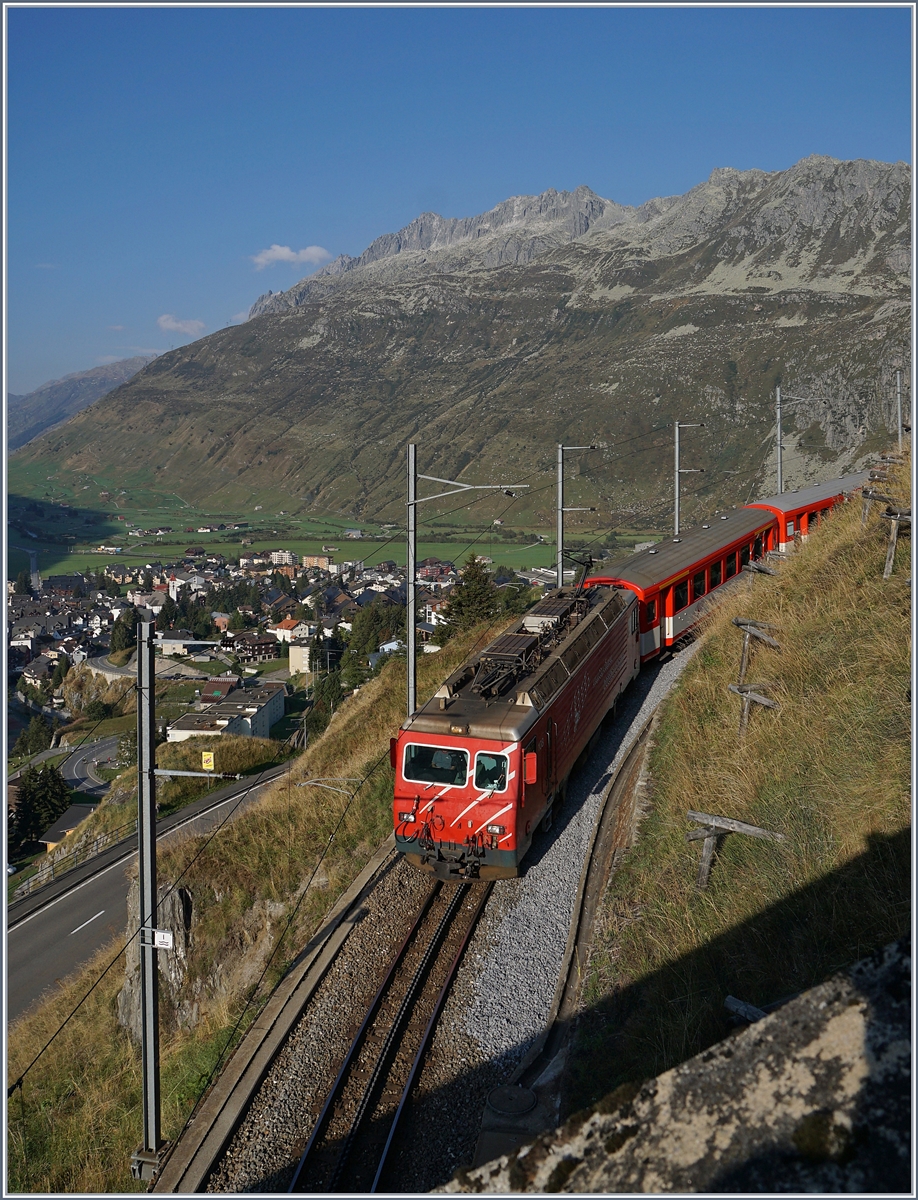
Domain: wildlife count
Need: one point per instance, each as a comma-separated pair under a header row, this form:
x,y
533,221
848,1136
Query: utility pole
x,y
780,447
145,1160
778,413
562,510
411,581
683,470
899,407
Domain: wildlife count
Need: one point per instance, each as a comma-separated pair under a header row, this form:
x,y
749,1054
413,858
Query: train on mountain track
x,y
487,759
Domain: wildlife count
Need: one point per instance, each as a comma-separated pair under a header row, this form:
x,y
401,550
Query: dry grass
x,y
830,771
80,1116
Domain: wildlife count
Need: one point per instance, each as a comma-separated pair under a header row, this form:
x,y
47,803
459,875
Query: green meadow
x,y
80,513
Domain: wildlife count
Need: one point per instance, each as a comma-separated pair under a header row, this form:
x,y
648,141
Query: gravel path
x,y
498,1006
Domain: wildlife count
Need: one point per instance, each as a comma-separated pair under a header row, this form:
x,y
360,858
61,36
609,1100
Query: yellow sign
x,y
207,760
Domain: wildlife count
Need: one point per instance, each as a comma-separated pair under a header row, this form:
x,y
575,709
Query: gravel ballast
x,y
499,1005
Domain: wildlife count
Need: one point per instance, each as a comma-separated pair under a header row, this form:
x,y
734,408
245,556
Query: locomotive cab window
x,y
651,611
716,574
491,772
698,584
680,595
730,561
436,764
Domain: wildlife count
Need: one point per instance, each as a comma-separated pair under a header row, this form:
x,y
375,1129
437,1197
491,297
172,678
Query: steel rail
x,y
383,1060
324,1115
428,1032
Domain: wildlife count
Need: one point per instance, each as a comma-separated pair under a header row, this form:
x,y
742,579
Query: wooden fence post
x,y
896,517
714,828
752,629
749,697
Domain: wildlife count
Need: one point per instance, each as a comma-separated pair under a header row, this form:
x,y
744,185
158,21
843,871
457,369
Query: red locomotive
x,y
483,762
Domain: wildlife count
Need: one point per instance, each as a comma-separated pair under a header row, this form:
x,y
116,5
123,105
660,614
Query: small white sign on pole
x,y
162,939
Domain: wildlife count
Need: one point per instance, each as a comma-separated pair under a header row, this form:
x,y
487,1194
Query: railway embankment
x,y
828,770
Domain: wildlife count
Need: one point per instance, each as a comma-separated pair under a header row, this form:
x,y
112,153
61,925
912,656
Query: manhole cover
x,y
512,1101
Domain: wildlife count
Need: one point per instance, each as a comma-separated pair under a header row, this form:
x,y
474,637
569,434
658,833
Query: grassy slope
x,y
78,1118
830,771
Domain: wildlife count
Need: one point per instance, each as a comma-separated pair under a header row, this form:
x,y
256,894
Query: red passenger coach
x,y
482,763
798,512
672,579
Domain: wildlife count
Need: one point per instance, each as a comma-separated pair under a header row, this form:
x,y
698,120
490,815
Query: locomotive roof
x,y
805,497
668,558
500,691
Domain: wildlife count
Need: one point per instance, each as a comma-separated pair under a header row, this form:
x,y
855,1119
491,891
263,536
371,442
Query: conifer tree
x,y
473,599
43,797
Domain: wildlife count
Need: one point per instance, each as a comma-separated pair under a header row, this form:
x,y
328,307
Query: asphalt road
x,y
46,945
78,769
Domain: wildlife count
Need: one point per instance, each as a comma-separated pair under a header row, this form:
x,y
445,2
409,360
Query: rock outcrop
x,y
814,1098
174,912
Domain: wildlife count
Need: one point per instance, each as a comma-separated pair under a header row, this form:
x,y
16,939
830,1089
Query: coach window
x,y
790,529
757,547
698,584
730,561
680,595
744,555
717,571
824,513
650,612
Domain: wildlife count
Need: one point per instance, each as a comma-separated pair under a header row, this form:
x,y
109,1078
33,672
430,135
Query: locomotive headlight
x,y
409,816
496,829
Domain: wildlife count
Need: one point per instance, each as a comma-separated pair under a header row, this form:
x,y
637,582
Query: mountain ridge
x,y
59,399
694,312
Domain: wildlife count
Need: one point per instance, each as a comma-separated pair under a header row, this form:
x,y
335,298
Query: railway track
x,y
348,1148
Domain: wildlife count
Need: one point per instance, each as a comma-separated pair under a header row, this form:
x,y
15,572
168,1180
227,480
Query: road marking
x,y
85,923
133,853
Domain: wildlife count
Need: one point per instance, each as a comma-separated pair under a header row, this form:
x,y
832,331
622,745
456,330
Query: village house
x,y
251,647
249,713
301,651
65,825
218,689
290,628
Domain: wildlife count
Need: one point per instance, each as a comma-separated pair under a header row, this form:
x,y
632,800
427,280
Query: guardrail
x,y
53,868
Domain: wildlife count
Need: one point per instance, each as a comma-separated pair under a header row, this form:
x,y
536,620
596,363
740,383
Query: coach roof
x,y
668,558
806,497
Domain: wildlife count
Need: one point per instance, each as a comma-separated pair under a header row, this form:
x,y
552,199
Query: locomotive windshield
x,y
436,764
491,772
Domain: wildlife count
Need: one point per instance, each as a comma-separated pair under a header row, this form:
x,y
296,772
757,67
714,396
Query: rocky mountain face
x,y
32,414
557,318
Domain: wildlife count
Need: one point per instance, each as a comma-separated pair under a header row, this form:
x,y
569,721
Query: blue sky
x,y
155,154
